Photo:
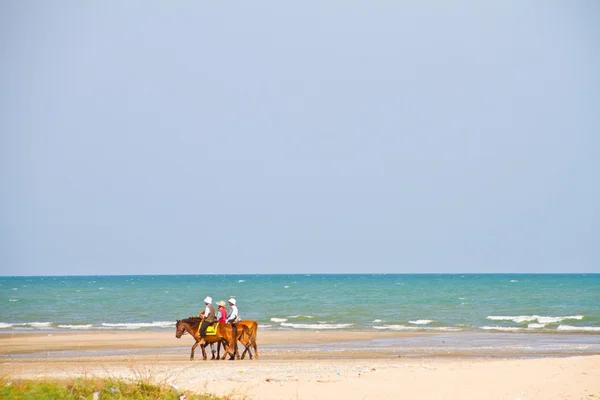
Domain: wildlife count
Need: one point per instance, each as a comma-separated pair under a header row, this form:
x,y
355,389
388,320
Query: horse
x,y
226,334
248,337
247,330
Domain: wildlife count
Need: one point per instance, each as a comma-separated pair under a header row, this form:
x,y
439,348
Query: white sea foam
x,y
138,325
578,328
316,326
513,281
501,328
300,316
286,286
416,328
88,326
13,300
4,325
241,281
531,318
39,324
421,321
536,326
377,320
397,327
278,319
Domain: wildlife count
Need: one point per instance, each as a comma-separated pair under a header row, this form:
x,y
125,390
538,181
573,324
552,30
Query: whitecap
x,y
398,327
316,326
446,329
501,328
241,281
569,328
551,320
138,325
88,326
518,319
536,326
530,318
286,286
4,325
278,319
416,328
377,320
421,321
13,300
513,281
39,324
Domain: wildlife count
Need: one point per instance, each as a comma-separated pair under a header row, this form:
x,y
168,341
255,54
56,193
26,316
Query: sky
x,y
311,137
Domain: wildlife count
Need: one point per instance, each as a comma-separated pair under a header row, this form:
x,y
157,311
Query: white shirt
x,y
233,315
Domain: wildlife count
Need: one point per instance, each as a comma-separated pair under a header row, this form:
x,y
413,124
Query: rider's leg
x,y
203,327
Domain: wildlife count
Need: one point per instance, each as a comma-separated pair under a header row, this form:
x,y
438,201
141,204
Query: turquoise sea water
x,y
520,303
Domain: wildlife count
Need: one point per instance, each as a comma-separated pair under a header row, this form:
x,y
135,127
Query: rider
x,y
221,312
208,318
234,316
221,318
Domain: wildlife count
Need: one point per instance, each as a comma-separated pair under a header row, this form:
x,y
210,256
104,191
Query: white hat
x,y
232,301
208,299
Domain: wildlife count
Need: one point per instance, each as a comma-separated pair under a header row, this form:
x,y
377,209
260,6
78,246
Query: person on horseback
x,y
221,312
208,318
234,315
221,318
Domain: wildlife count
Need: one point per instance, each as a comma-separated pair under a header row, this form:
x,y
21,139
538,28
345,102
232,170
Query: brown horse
x,y
247,330
226,334
248,337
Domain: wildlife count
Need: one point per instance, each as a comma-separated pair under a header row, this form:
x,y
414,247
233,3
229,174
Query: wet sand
x,y
324,365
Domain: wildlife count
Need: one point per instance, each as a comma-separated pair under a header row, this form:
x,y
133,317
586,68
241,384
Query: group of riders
x,y
209,316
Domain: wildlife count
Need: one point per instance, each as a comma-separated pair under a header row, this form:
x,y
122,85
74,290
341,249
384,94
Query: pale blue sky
x,y
269,137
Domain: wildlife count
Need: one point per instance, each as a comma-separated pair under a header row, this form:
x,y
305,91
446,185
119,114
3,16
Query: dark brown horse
x,y
226,334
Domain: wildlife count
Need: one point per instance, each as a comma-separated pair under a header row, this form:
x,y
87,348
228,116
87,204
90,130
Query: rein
x,y
187,326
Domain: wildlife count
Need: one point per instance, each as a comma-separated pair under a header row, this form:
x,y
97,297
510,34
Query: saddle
x,y
211,330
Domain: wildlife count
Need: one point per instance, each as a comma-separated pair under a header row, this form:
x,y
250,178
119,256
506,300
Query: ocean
x,y
508,303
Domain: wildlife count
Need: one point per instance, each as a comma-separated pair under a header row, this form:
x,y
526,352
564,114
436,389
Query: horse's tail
x,y
235,339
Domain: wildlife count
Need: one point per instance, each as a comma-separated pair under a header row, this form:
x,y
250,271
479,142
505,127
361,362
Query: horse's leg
x,y
225,348
246,349
193,348
255,348
203,347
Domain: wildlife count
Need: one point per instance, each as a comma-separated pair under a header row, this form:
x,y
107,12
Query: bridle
x,y
180,331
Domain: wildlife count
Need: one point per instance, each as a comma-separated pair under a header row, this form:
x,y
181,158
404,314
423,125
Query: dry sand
x,y
286,370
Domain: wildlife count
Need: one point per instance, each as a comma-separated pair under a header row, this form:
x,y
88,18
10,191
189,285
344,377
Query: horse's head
x,y
179,328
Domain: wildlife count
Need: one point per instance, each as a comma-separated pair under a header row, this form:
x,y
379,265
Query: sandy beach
x,y
308,365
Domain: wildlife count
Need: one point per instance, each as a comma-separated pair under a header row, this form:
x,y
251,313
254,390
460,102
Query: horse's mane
x,y
192,320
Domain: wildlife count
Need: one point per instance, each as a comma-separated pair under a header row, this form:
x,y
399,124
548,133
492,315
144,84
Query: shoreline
x,y
323,365
289,344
